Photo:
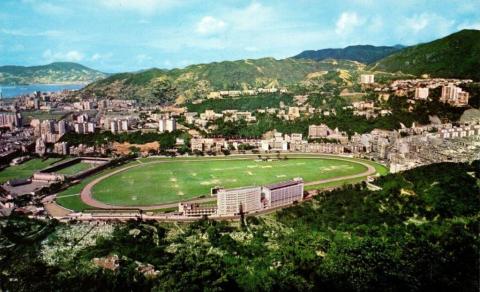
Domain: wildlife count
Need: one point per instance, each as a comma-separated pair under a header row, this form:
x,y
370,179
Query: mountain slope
x,y
457,55
195,80
362,53
60,72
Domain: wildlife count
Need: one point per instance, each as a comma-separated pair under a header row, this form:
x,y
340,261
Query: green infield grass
x,y
26,169
157,182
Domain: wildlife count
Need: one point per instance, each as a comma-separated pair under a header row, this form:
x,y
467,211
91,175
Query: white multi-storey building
x,y
283,193
241,200
114,127
454,95
367,78
167,125
421,92
62,127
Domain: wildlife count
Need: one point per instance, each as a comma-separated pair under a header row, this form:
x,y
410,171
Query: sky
x,y
129,35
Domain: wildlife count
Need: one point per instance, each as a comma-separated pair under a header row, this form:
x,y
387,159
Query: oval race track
x,y
86,193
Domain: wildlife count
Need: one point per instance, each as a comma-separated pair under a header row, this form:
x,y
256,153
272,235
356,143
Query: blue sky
x,y
128,35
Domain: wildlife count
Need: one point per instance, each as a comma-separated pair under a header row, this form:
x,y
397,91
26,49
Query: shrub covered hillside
x,y
166,86
420,232
362,53
454,56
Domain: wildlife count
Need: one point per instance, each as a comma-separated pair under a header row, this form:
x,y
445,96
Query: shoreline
x,y
15,91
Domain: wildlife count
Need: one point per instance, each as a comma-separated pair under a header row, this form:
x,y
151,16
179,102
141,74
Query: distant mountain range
x,y
456,56
362,53
60,72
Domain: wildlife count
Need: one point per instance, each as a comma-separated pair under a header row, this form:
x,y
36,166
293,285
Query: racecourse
x,y
151,183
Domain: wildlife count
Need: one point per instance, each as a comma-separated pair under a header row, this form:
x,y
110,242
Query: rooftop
x,y
284,184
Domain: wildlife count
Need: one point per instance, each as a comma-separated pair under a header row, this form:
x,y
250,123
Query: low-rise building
x,y
195,210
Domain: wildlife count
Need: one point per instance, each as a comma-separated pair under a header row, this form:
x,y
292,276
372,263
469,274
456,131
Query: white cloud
x,y
70,56
253,17
141,6
52,9
347,22
428,22
424,27
417,23
469,25
210,25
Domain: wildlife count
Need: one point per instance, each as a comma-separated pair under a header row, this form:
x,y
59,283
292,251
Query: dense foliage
x,y
454,56
420,232
247,103
167,140
361,53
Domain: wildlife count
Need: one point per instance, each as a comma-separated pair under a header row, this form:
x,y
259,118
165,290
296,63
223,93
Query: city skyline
x,y
125,35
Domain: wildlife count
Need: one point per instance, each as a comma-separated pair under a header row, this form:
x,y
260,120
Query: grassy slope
x,y
457,55
203,78
26,169
176,180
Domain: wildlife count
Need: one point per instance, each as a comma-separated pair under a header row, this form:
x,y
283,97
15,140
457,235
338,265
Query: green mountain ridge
x,y
200,79
454,56
362,53
59,72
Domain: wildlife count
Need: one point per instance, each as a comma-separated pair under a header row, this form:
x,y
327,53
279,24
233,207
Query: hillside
x,y
362,53
457,55
197,80
60,72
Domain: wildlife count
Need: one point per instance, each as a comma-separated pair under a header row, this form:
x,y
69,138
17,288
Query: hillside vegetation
x,y
455,56
198,80
61,72
362,53
419,232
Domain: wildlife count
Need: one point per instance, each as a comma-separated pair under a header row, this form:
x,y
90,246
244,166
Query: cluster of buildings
x,y
420,145
407,146
246,92
451,92
10,120
245,200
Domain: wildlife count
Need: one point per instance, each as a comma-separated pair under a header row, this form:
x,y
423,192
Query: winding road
x,y
86,193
